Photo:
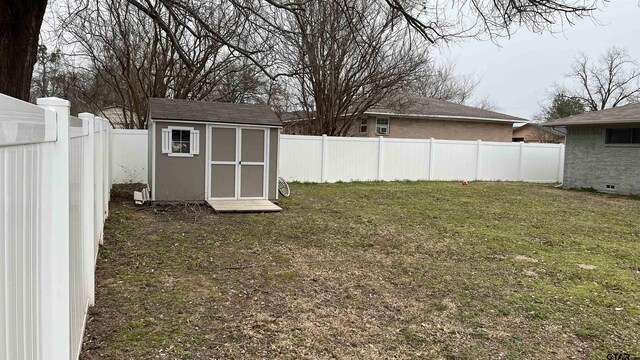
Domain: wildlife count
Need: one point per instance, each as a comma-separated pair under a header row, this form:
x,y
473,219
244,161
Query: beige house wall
x,y
534,135
440,129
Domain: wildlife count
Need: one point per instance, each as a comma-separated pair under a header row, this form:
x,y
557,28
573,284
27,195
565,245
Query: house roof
x,y
626,114
209,111
296,115
422,107
549,130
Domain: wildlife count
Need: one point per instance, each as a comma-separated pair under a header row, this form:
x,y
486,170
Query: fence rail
x,y
55,178
331,159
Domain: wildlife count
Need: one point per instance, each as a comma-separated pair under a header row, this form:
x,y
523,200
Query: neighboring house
x,y
603,149
536,133
115,116
425,118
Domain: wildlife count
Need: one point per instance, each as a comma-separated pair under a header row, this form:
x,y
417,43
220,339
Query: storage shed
x,y
212,151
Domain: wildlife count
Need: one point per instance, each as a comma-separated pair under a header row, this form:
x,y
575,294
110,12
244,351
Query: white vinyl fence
x,y
55,179
331,159
130,156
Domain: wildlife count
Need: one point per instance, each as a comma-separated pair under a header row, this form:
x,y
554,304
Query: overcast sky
x,y
518,75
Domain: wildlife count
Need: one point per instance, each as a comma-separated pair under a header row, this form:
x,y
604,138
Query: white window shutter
x,y
166,141
195,142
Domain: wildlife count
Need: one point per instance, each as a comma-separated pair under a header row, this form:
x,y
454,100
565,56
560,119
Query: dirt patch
x,y
586,266
124,192
526,259
531,273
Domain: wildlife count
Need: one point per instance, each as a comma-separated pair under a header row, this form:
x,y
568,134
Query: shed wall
x,y
273,164
590,163
179,178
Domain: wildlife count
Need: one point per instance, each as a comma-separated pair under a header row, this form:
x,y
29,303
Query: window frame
x,y
635,136
181,141
190,131
364,122
387,126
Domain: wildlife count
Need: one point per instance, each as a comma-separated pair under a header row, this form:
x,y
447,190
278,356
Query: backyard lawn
x,y
374,270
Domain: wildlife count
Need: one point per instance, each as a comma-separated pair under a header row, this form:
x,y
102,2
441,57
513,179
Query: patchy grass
x,y
374,270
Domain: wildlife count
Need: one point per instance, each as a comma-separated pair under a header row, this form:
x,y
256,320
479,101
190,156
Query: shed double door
x,y
238,163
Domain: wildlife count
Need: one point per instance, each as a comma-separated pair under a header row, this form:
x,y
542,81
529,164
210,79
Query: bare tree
x,y
20,22
47,77
133,56
342,67
611,81
440,81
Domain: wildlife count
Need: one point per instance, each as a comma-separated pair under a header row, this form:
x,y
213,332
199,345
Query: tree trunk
x,y
20,22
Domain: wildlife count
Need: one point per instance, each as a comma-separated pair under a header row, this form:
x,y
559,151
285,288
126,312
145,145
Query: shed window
x,y
180,141
363,125
382,126
623,136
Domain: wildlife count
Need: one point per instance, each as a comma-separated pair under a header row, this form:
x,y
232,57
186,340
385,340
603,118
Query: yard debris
x,y
586,266
531,273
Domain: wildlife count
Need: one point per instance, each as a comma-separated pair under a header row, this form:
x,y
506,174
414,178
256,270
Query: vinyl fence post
x,y
478,159
380,157
323,169
98,179
105,168
561,164
88,207
54,271
521,163
431,157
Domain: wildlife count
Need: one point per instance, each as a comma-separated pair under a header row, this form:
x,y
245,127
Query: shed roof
x,y
627,114
209,111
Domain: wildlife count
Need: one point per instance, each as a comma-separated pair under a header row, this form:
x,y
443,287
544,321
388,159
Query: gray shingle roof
x,y
432,108
555,132
208,111
627,114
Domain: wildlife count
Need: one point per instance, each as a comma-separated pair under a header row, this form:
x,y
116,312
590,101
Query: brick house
x,y
536,133
424,118
603,150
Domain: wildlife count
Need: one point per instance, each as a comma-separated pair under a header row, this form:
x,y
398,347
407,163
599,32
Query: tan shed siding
x,y
272,193
179,178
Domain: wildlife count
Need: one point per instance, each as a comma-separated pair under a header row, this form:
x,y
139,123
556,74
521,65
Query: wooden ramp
x,y
243,206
